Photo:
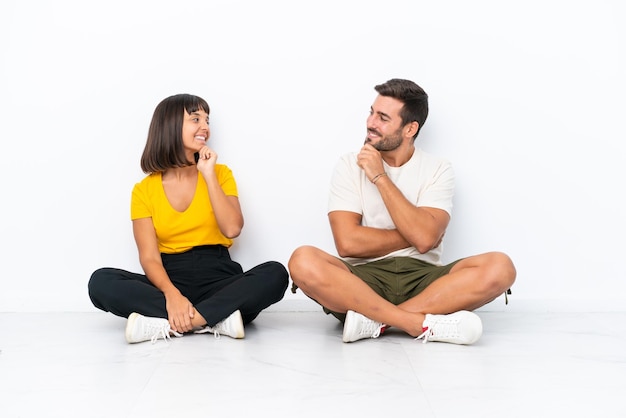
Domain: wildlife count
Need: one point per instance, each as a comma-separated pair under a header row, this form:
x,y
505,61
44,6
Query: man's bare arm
x,y
355,240
422,227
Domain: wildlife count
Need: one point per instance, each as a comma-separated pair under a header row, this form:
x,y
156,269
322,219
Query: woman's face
x,y
196,130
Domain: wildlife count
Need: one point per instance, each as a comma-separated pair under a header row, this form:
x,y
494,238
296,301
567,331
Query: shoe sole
x,y
347,325
129,327
239,332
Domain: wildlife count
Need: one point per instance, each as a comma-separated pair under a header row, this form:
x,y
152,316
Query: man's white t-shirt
x,y
425,180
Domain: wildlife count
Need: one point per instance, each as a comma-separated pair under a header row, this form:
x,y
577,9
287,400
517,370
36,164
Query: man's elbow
x,y
425,244
422,249
344,249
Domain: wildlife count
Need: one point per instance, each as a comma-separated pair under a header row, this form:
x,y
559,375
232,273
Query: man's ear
x,y
411,128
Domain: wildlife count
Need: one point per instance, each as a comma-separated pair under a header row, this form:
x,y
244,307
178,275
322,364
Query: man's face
x,y
384,125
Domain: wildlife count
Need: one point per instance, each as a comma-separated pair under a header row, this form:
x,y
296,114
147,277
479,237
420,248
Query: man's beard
x,y
389,142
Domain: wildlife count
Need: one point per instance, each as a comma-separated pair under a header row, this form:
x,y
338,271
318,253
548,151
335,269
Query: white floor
x,y
294,364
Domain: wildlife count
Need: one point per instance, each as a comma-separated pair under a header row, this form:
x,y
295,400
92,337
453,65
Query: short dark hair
x,y
164,146
413,96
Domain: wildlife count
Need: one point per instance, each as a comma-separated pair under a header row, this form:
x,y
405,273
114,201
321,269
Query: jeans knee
x,y
94,281
98,282
276,273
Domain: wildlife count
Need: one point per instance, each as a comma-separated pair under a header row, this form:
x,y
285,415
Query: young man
x,y
389,208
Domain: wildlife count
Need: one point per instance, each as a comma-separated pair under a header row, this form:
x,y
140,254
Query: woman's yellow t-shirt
x,y
180,231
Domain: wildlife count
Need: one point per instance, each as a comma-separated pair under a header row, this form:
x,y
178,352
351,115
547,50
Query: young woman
x,y
185,215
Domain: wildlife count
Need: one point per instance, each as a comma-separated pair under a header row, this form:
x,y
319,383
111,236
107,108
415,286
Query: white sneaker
x,y
357,327
231,327
462,327
141,328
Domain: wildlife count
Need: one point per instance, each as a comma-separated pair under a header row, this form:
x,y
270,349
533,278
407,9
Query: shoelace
x,y
216,333
445,329
425,335
371,328
213,330
163,332
160,332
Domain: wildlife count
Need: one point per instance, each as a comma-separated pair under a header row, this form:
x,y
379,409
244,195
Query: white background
x,y
527,102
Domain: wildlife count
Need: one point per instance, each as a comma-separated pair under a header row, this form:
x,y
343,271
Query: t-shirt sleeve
x,y
139,204
344,191
439,192
227,180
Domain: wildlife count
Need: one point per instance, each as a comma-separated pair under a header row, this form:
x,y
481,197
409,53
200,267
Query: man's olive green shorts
x,y
396,279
